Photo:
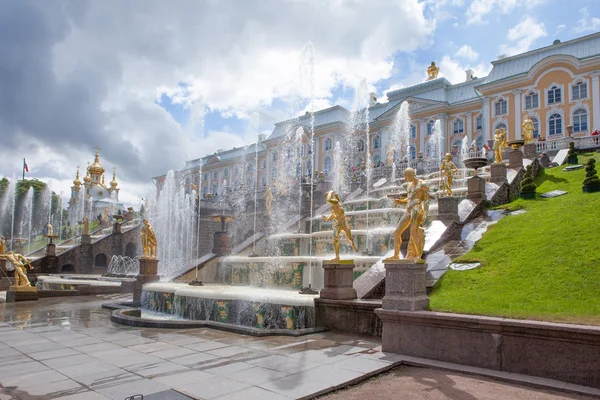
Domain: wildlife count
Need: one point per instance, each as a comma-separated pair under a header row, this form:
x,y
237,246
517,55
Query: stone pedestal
x,y
515,159
51,249
21,293
448,209
498,172
338,279
148,273
86,239
476,188
530,151
117,227
405,286
222,243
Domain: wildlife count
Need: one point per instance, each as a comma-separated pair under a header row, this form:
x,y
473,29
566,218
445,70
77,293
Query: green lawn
x,y
543,264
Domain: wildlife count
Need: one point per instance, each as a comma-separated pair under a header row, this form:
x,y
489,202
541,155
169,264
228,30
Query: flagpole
x,y
23,169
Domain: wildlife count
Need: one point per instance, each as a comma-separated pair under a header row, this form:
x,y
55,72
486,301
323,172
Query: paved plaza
x,y
67,348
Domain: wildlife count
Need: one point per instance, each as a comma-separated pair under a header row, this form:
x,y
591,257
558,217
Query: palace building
x,y
557,86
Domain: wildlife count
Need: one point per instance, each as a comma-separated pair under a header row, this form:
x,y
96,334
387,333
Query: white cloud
x,y
560,28
466,52
587,22
522,36
455,72
478,9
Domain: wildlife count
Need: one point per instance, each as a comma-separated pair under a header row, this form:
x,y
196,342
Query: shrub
x,y
591,176
572,154
527,184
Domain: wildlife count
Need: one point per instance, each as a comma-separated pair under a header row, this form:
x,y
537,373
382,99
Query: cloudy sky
x,y
138,77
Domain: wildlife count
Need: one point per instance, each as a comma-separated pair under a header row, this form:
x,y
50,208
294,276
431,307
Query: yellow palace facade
x,y
557,86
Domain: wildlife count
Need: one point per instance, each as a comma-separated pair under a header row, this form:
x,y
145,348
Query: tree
x,y
591,183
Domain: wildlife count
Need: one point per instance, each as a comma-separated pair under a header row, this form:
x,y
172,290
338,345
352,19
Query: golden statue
x,y
269,200
527,129
340,224
2,246
432,71
50,230
390,155
86,226
447,170
148,240
19,262
499,144
105,213
417,208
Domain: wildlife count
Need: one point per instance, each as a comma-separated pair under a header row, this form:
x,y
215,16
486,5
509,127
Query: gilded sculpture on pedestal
x,y
432,71
269,200
340,222
447,170
527,129
148,240
86,226
499,144
19,262
2,246
50,230
415,217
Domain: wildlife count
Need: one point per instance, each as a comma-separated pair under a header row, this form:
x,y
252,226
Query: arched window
x,y
555,125
327,165
532,100
501,126
580,121
459,126
413,152
413,131
361,145
554,95
501,107
536,127
377,142
579,91
327,144
479,122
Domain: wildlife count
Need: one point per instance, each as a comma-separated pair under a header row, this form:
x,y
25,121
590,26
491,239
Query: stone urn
x,y
475,163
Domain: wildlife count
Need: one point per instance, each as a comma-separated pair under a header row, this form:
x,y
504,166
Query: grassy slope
x,y
544,264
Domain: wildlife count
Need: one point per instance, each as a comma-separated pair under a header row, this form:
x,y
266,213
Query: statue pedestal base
x,y
448,209
51,249
405,286
476,188
148,273
222,243
21,293
338,280
530,151
86,239
515,159
498,172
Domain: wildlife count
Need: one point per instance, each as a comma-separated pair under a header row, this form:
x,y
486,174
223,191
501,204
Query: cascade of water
x,y
339,184
299,151
401,136
26,217
14,211
255,122
6,208
464,151
435,143
60,210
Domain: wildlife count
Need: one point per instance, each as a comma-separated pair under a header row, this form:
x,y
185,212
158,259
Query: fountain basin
x,y
516,144
236,306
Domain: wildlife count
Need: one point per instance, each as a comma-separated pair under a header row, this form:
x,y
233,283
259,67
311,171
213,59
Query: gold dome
x,y
96,168
77,182
114,183
87,178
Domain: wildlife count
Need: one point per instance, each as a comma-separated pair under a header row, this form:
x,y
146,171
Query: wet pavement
x,y
67,348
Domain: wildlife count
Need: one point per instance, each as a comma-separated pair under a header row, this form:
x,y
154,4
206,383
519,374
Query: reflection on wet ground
x,y
68,348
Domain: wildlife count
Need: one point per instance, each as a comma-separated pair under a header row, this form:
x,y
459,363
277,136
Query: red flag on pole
x,y
25,167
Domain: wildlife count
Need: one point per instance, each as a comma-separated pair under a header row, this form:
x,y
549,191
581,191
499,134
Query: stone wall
x,y
350,316
569,353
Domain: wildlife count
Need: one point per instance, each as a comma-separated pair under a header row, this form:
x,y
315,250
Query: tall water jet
x,y
401,136
464,151
339,184
256,180
26,211
7,208
435,143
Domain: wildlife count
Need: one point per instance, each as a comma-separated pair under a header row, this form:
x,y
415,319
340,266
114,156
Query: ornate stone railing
x,y
585,142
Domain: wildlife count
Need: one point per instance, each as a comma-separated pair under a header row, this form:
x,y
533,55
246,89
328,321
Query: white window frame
x,y
458,126
531,93
562,94
587,119
579,82
327,170
376,142
477,118
429,127
549,114
325,141
536,117
501,99
413,131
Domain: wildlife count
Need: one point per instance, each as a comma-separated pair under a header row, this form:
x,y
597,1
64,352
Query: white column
x,y
209,188
469,126
422,134
268,156
517,98
486,119
595,103
317,154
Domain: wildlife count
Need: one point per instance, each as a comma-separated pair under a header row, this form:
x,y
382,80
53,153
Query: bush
x,y
591,176
527,184
572,154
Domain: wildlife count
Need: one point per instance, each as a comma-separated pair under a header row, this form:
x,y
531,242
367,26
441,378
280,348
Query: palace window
x,y
205,177
413,131
226,173
554,95
430,128
413,152
274,155
501,126
580,121
327,165
377,142
458,126
263,181
479,122
361,145
501,107
327,144
579,91
555,125
536,126
532,100
215,176
263,164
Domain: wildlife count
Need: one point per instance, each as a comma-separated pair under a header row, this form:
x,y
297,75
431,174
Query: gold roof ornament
x,y
87,178
432,71
114,183
96,168
77,182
